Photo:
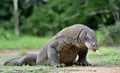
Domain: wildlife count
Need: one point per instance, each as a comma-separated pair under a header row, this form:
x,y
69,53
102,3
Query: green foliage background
x,y
47,17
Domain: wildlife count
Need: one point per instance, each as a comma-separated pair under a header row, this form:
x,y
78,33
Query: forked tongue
x,y
97,52
99,55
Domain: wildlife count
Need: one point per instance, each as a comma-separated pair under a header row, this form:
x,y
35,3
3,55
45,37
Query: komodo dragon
x,y
64,47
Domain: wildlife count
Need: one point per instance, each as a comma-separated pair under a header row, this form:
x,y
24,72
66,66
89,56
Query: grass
x,y
31,69
24,69
108,57
24,42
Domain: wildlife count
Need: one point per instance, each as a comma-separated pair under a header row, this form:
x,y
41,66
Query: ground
x,y
72,69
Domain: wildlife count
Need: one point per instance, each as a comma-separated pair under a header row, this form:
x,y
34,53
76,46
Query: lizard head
x,y
88,37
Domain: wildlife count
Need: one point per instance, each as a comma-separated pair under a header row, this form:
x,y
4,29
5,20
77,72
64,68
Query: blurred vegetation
x,y
111,35
24,42
46,17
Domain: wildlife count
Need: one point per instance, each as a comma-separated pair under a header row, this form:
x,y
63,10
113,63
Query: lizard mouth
x,y
94,49
90,47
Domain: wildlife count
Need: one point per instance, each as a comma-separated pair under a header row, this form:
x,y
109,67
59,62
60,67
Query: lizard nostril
x,y
94,45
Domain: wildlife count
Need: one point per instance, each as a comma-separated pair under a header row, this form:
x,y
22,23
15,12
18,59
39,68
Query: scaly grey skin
x,y
12,62
29,59
63,48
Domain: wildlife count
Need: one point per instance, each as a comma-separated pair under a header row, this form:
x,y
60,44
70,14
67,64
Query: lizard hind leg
x,y
42,57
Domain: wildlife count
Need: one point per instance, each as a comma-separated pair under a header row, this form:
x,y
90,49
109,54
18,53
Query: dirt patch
x,y
94,70
15,52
